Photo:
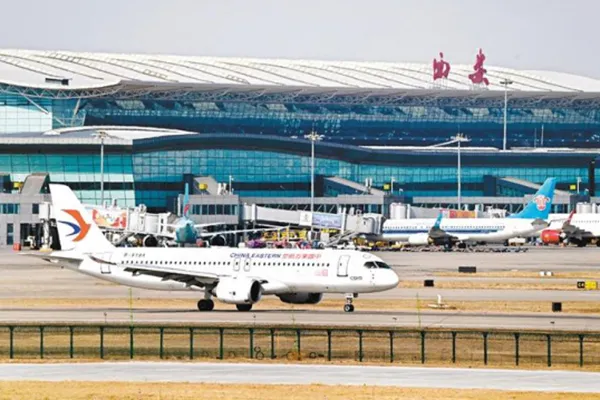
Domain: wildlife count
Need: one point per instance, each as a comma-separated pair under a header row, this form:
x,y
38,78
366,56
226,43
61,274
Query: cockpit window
x,y
370,265
383,265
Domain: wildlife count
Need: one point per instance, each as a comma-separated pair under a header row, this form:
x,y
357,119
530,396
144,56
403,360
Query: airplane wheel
x,y
348,308
243,307
206,305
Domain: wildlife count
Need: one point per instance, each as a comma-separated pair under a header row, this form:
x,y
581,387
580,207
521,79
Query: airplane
x,y
579,229
186,231
234,276
460,231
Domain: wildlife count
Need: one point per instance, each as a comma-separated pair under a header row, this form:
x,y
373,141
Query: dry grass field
x,y
189,391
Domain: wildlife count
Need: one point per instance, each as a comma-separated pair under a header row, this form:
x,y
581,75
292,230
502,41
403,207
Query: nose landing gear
x,y
349,307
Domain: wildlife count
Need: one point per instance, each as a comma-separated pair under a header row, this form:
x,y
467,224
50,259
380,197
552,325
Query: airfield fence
x,y
403,346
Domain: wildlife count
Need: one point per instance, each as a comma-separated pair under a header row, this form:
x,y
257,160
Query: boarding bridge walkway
x,y
348,225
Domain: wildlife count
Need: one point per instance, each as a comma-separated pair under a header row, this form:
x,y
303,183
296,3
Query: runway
x,y
426,319
450,378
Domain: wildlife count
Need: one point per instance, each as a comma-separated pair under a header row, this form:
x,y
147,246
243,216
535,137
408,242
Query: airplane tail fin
x,y
76,228
438,221
186,201
541,203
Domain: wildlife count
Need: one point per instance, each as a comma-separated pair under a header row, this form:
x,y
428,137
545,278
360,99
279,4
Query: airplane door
x,y
342,267
236,265
246,265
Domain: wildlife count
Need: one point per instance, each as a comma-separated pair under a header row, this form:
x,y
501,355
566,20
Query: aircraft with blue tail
x,y
452,231
186,231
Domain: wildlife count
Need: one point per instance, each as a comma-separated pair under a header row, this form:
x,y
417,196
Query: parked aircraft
x,y
233,276
186,231
459,231
579,229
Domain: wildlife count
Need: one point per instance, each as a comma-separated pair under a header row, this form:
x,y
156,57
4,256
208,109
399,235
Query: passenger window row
x,y
224,263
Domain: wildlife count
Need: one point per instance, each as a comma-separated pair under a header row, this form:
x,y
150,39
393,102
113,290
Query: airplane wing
x,y
56,257
440,236
174,274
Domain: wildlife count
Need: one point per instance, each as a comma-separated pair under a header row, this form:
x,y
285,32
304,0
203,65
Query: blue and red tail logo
x,y
541,201
80,227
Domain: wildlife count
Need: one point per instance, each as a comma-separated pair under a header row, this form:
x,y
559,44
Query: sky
x,y
523,34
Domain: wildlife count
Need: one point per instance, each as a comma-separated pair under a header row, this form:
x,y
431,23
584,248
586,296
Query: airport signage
x,y
327,220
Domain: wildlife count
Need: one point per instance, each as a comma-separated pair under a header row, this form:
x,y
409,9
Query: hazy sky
x,y
527,34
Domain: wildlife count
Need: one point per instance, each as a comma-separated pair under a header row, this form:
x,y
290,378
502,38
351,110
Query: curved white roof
x,y
31,68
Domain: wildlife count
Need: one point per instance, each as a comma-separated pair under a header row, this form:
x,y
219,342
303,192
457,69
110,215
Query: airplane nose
x,y
392,280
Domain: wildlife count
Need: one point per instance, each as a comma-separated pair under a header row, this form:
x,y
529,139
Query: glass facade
x,y
258,142
153,171
413,125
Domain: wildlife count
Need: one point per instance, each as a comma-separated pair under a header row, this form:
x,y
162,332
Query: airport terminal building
x,y
168,120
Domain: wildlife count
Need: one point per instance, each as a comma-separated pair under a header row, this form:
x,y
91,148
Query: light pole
x,y
313,137
578,182
101,135
459,138
505,82
392,186
230,184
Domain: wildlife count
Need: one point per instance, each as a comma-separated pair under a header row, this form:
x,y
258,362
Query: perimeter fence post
x,y
41,342
161,345
422,347
11,342
272,344
131,342
251,337
360,346
549,339
298,335
221,350
485,348
581,337
102,343
516,349
71,349
328,344
191,349
453,347
391,346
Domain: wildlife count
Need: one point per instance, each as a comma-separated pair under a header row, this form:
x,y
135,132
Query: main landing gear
x,y
206,305
349,307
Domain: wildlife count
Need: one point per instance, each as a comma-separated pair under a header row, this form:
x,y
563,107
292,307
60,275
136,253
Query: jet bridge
x,y
348,225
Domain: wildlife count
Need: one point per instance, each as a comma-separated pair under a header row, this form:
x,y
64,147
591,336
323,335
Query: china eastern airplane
x,y
233,276
460,231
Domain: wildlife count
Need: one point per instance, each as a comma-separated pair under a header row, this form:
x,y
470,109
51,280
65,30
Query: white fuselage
x,y
283,271
491,230
587,222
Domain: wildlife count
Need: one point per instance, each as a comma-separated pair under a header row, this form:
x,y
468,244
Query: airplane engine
x,y
149,241
551,236
420,239
301,298
238,291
